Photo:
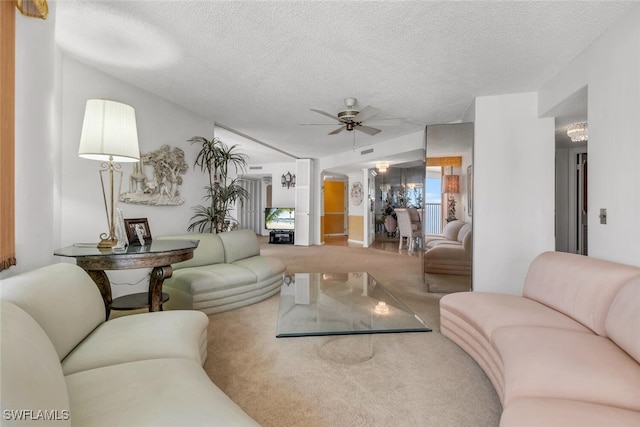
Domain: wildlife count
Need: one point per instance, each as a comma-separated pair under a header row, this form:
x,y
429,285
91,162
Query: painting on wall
x,y
161,186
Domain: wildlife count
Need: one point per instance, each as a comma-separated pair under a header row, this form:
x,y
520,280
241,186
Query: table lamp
x,y
110,135
451,186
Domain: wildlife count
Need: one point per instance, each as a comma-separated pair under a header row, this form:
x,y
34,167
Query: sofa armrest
x,y
62,298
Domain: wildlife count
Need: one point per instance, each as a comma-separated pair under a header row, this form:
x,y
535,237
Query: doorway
x,y
335,218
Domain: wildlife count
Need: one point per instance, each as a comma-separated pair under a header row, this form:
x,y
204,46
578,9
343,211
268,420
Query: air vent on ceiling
x,y
255,167
369,151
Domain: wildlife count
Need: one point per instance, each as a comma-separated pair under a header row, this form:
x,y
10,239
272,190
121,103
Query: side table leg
x,y
102,282
158,274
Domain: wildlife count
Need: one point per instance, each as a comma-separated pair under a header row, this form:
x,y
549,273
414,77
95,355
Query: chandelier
x,y
578,132
382,166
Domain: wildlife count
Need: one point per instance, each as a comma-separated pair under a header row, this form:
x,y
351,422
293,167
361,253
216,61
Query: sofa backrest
x,y
209,251
62,298
623,319
452,229
467,243
239,244
31,373
579,286
464,230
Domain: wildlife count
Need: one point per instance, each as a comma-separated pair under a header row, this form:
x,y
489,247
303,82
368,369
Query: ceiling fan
x,y
359,120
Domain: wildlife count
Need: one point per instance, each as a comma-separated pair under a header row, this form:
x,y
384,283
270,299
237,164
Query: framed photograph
x,y
138,231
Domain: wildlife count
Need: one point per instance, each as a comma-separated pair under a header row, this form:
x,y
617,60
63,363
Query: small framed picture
x,y
138,231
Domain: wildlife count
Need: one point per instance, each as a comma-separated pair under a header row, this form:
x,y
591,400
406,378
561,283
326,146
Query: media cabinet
x,y
283,237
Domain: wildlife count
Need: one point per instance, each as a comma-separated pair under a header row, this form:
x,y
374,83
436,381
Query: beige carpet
x,y
405,379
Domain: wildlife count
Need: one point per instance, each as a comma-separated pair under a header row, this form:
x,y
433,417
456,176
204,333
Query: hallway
x,y
382,243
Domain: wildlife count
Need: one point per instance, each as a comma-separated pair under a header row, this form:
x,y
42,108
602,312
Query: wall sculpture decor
x,y
160,188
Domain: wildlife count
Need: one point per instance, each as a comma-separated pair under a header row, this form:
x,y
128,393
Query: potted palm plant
x,y
215,159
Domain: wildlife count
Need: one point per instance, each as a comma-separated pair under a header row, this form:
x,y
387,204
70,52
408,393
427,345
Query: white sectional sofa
x,y
226,272
61,362
450,252
567,352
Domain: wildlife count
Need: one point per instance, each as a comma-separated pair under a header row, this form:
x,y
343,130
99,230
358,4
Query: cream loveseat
x,y
61,362
450,252
567,352
226,272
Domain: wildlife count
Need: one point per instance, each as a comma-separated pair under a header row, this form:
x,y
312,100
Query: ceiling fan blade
x,y
363,115
386,122
340,129
316,124
368,130
324,113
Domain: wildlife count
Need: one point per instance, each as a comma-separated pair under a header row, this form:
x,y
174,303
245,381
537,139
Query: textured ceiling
x,y
259,67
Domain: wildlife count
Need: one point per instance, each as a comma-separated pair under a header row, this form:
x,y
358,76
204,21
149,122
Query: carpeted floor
x,y
405,379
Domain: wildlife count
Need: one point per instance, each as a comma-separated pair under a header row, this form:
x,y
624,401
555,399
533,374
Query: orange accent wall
x,y
333,220
333,196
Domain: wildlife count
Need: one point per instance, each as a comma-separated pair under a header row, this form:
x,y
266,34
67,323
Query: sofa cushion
x,y
44,295
159,392
487,312
142,336
564,364
623,319
239,244
543,412
263,267
31,375
209,250
474,316
207,278
452,229
578,286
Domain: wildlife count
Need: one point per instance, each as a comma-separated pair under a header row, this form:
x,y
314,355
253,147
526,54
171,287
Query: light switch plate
x,y
603,216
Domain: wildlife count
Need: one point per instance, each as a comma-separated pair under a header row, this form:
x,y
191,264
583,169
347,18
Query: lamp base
x,y
108,243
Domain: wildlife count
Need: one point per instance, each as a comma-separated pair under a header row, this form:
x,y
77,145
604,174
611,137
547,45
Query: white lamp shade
x,y
109,131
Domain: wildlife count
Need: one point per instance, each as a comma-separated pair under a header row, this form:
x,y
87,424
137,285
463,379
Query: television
x,y
279,219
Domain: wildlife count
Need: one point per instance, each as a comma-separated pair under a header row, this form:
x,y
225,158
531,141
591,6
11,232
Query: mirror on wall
x,y
448,208
399,186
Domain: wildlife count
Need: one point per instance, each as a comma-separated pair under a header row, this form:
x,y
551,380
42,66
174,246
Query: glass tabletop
x,y
154,246
341,304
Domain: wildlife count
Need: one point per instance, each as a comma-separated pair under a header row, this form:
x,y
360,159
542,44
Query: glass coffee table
x,y
341,304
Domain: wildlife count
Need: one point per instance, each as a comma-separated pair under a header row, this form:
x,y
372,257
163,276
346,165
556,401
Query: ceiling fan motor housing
x,y
347,116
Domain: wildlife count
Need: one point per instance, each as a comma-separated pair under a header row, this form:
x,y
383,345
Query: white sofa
x,y
226,272
61,361
565,353
450,252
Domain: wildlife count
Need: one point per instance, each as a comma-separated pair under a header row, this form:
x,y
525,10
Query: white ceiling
x,y
259,67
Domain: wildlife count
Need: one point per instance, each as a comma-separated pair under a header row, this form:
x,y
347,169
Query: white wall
x,y
36,138
610,68
514,190
359,210
159,122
